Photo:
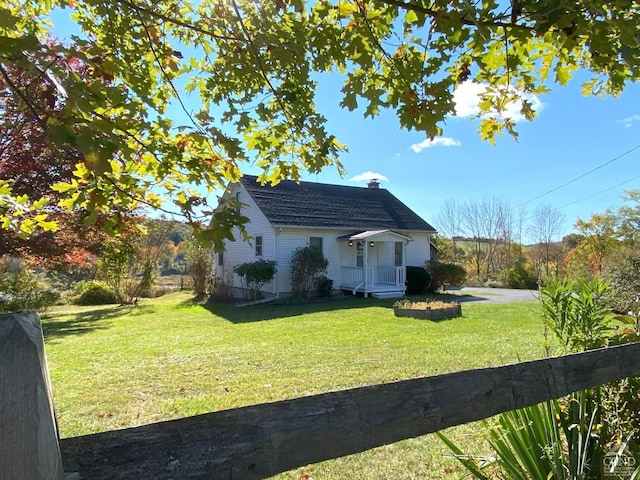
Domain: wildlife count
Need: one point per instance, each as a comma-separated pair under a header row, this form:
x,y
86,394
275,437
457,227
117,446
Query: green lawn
x,y
169,358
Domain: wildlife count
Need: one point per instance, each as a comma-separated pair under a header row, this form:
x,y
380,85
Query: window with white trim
x,y
258,246
398,254
316,242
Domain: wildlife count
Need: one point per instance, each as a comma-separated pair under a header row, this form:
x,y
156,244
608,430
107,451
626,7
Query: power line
x,y
600,192
558,209
579,177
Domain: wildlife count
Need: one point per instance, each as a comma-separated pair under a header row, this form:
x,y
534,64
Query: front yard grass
x,y
170,358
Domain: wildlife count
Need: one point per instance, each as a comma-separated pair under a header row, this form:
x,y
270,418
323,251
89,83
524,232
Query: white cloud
x,y
436,142
368,176
467,96
629,121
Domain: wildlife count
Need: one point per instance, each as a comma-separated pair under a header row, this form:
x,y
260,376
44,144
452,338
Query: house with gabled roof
x,y
368,236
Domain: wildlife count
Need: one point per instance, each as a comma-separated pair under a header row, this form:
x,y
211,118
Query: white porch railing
x,y
354,276
371,275
351,276
390,275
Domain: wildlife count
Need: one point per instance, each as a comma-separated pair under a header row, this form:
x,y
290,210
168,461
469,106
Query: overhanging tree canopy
x,y
253,66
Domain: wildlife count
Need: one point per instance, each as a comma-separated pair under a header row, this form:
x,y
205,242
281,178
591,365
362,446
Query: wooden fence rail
x,y
262,440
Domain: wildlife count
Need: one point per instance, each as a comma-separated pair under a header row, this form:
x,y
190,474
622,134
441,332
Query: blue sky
x,y
571,136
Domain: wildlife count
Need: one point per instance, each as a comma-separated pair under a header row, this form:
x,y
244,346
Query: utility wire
x,y
579,177
559,209
600,192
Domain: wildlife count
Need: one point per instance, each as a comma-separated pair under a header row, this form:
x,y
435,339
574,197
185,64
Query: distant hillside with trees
x,y
487,237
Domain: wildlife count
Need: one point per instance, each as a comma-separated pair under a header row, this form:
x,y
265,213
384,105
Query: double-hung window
x,y
316,242
258,246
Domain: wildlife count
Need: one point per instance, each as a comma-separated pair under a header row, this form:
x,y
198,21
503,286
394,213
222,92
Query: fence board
x,y
262,440
28,433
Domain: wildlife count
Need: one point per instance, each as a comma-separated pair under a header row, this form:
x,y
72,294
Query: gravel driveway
x,y
494,295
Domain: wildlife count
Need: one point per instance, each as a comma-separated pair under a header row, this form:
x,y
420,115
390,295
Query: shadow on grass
x,y
280,309
83,322
468,298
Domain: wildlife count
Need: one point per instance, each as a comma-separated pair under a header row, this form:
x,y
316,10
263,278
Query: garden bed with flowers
x,y
430,310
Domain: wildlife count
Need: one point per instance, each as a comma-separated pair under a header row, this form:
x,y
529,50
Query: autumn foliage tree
x,y
32,161
599,232
29,161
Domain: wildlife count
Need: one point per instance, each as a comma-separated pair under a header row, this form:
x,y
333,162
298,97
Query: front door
x,y
359,254
398,254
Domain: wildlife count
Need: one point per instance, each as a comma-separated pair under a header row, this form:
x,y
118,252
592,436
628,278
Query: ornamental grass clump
x,y
556,439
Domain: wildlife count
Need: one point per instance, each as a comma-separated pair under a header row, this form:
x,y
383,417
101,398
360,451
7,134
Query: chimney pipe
x,y
373,183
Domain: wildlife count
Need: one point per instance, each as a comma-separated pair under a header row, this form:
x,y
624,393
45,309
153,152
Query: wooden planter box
x,y
429,313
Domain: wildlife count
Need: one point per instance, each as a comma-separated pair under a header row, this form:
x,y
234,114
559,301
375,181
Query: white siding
x,y
418,249
340,253
384,253
240,251
290,238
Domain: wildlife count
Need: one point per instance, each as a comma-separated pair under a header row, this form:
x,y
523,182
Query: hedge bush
x,y
93,292
418,279
306,264
254,275
22,289
445,274
324,286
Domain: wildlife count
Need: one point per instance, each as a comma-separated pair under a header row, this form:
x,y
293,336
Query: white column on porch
x,y
365,269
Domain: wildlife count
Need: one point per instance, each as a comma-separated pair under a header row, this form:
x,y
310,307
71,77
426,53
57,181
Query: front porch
x,y
373,263
379,282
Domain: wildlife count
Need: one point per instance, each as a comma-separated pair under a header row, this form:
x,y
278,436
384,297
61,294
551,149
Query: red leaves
x,y
464,73
183,143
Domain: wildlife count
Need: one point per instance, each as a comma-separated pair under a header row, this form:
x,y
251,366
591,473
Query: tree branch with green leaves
x,y
252,68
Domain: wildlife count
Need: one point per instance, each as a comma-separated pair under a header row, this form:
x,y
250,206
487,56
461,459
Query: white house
x,y
367,235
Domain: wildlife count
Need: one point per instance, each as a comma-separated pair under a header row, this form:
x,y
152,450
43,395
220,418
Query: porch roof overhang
x,y
375,235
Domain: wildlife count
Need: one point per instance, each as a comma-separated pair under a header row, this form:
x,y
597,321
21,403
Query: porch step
x,y
392,294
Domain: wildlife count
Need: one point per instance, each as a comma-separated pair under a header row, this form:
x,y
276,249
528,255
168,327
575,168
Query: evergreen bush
x,y
255,275
418,279
324,286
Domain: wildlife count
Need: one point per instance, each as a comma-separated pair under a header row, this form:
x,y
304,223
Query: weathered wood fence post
x,y
29,446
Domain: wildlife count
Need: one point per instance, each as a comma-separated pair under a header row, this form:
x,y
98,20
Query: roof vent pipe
x,y
373,183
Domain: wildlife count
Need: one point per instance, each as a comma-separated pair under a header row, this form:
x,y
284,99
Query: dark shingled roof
x,y
309,204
